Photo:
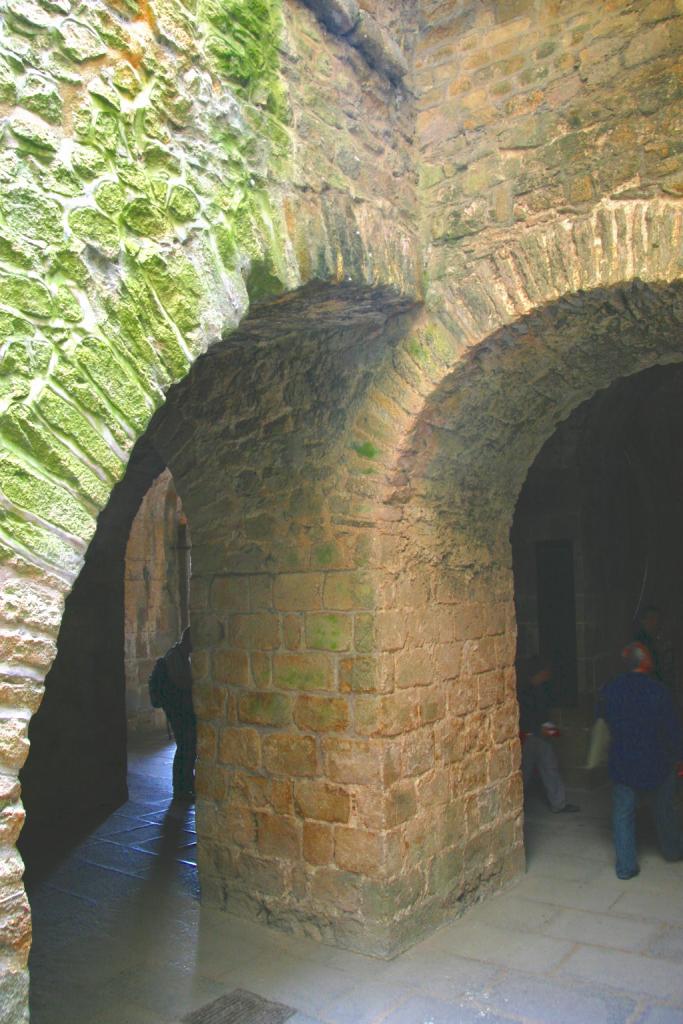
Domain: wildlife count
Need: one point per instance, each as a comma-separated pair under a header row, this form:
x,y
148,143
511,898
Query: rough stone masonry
x,y
345,266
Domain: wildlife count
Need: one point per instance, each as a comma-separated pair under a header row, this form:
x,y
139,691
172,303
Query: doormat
x,y
240,1007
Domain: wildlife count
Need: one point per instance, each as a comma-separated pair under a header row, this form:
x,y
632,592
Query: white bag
x,y
598,744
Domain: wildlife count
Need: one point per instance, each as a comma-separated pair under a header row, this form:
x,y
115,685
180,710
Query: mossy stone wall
x,y
167,165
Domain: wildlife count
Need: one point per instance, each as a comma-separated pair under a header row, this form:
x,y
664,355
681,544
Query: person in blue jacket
x,y
646,743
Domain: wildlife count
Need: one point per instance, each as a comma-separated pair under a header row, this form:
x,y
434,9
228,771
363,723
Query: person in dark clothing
x,y
646,743
180,711
536,701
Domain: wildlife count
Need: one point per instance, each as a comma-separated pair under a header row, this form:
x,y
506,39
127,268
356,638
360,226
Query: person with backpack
x,y
170,687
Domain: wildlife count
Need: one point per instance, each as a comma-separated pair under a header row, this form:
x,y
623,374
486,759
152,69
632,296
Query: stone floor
x,y
121,939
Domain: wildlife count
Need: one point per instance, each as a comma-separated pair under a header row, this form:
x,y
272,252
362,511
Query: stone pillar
x,y
293,772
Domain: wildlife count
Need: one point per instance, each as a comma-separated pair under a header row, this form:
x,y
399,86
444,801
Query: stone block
x,y
647,45
363,633
318,843
352,760
264,708
321,714
358,851
15,920
13,742
357,675
391,630
303,671
278,836
239,747
447,660
259,631
238,826
348,591
298,591
209,701
479,656
207,630
414,667
431,705
229,667
386,715
418,752
338,889
207,739
227,594
322,801
260,668
11,821
260,592
292,631
328,631
261,876
289,754
490,689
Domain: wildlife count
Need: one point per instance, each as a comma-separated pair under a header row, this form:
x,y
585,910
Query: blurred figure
x,y
177,703
535,695
646,743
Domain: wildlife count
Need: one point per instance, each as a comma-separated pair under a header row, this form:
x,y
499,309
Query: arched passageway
x,y
446,628
596,540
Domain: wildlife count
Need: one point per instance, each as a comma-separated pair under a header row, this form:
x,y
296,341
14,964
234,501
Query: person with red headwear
x,y
646,743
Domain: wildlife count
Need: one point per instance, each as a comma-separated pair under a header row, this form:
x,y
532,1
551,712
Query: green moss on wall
x,y
134,178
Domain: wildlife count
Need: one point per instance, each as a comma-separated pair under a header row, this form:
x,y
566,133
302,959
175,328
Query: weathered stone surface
x,y
321,714
318,843
239,747
322,802
289,754
378,48
264,709
304,671
340,16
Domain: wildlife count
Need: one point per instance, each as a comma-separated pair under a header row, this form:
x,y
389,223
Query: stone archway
x,y
450,430
153,192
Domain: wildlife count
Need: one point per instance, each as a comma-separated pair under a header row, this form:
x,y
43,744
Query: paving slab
x,y
662,904
441,973
425,1010
553,1001
602,929
505,948
598,895
367,1002
627,971
662,1015
667,943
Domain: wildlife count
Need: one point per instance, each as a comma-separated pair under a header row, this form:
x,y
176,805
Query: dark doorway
x,y
557,615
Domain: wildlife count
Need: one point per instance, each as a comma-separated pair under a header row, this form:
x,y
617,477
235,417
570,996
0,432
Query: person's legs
x,y
549,771
189,745
175,713
624,830
666,819
529,748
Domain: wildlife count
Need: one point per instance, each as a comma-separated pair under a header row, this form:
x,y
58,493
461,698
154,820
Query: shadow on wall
x,y
76,767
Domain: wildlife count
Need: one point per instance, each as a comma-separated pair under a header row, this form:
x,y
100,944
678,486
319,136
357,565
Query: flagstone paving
x,y
120,936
